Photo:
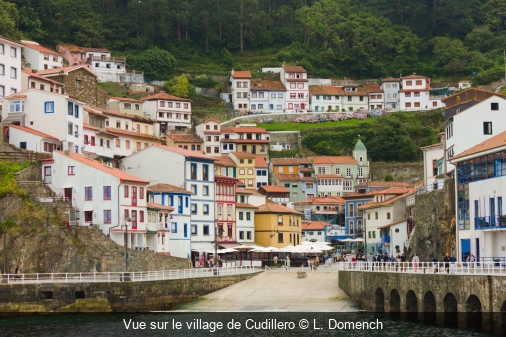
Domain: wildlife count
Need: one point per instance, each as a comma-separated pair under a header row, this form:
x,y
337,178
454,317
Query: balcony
x,y
497,222
385,239
363,163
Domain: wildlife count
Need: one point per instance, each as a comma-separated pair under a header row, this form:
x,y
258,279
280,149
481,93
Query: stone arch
x,y
450,310
395,302
411,304
473,312
429,307
379,299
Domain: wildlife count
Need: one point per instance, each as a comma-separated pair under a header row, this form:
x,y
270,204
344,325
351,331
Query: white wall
x,y
429,155
33,142
37,62
8,60
245,225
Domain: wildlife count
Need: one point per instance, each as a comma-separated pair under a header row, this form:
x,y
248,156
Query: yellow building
x,y
277,226
246,172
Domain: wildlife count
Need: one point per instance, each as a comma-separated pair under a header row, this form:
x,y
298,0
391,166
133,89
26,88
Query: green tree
x,y
180,87
326,149
226,58
9,15
389,177
156,63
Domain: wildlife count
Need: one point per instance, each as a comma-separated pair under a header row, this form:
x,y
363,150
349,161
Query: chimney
x,y
232,72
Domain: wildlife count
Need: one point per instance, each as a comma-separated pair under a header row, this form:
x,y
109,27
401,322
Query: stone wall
x,y
286,137
84,86
410,295
102,297
408,172
422,241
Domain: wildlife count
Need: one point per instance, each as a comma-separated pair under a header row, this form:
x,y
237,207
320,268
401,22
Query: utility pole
x,y
435,224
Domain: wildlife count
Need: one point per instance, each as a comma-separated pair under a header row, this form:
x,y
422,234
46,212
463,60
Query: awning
x,y
228,245
151,232
338,237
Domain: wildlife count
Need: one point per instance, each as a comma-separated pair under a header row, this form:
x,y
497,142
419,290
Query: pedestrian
x,y
471,259
309,263
415,261
453,260
211,263
275,261
446,260
403,262
201,261
288,262
17,272
434,264
392,262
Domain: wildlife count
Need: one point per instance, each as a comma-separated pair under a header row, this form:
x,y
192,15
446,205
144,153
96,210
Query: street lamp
x,y
434,198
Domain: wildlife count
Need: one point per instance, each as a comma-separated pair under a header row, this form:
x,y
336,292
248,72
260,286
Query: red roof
x,y
272,207
391,79
225,161
87,126
16,96
121,114
491,143
274,189
131,133
240,74
243,191
32,131
289,161
267,85
245,141
159,206
241,205
30,73
185,138
211,120
413,77
167,188
187,153
294,69
260,162
66,70
334,160
313,225
126,99
164,96
322,200
41,49
243,155
288,176
373,88
242,129
123,176
324,90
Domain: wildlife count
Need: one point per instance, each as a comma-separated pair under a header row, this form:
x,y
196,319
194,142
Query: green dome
x,y
360,146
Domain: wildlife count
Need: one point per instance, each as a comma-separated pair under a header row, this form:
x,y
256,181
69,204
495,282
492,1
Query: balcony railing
x,y
385,239
431,187
490,222
363,163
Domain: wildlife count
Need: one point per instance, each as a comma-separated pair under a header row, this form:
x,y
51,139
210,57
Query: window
x,y
127,144
407,105
300,96
16,106
248,216
280,220
205,190
185,230
194,229
2,48
349,98
248,235
88,194
493,106
141,192
309,185
487,128
194,189
2,72
70,108
194,208
22,145
206,209
76,111
193,169
141,216
70,128
205,230
418,82
205,170
127,106
376,215
241,235
280,237
361,98
48,107
126,192
107,216
2,91
388,215
14,72
173,227
409,83
107,192
417,104
241,216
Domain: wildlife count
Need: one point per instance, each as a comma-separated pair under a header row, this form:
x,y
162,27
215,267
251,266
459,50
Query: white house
x,y
40,57
391,87
376,96
98,194
314,231
240,82
467,126
414,94
53,114
31,80
481,184
210,132
267,96
98,144
294,78
394,237
325,98
189,170
127,105
174,238
10,67
171,112
431,155
160,235
354,98
262,172
32,140
245,217
464,84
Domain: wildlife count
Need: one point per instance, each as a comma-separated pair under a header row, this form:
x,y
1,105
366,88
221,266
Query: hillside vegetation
x,y
330,38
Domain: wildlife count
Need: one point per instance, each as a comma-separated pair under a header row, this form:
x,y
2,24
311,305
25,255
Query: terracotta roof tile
x,y
322,200
164,96
41,49
334,160
159,206
158,188
373,88
121,114
32,131
242,205
288,176
225,161
243,155
131,133
17,43
241,74
271,207
289,161
294,69
243,191
313,225
391,79
491,143
433,145
267,85
468,95
126,99
245,141
212,120
30,73
184,152
260,162
123,176
359,92
66,70
182,138
16,96
413,77
90,127
274,189
324,90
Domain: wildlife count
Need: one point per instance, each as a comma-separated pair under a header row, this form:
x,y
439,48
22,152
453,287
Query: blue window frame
x,y
194,230
206,209
185,230
171,200
180,205
187,201
76,111
48,107
173,227
70,108
499,206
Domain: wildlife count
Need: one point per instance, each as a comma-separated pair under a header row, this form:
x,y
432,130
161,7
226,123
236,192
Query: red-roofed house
x,y
314,230
32,140
295,81
40,57
210,132
277,225
173,113
376,96
415,94
10,60
245,139
354,98
186,141
240,82
267,96
277,194
126,105
325,98
30,79
101,195
225,203
391,87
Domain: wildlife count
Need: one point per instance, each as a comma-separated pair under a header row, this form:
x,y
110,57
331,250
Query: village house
x,y
325,98
262,172
29,139
277,194
481,185
100,195
173,230
245,217
162,238
314,231
210,132
432,154
240,82
294,78
277,226
376,96
292,182
186,141
246,173
171,112
39,57
98,144
267,96
245,139
79,82
31,80
57,115
189,170
322,208
414,94
354,98
126,105
225,166
225,203
391,87
10,67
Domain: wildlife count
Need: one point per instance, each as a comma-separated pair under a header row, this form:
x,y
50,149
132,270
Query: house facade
x,y
354,98
267,96
314,231
98,144
31,80
294,78
292,182
325,98
245,139
41,58
245,217
225,203
240,82
10,67
210,132
225,166
391,87
126,105
277,226
29,139
262,172
186,141
276,194
376,96
246,171
171,112
414,94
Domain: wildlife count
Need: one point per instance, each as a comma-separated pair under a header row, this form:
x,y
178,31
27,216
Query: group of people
x,y
210,263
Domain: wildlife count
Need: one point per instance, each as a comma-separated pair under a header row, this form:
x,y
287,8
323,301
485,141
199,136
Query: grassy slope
x,y
290,126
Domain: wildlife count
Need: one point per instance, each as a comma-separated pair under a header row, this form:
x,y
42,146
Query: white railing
x,y
458,268
138,276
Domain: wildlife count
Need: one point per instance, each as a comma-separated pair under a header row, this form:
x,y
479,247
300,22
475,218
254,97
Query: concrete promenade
x,y
275,290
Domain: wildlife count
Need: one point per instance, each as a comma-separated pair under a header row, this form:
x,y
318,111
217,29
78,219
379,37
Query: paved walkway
x,y
278,291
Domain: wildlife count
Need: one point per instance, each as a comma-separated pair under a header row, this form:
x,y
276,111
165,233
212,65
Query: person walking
x,y
453,260
434,263
370,260
201,263
471,259
17,272
403,262
415,260
446,260
288,262
275,261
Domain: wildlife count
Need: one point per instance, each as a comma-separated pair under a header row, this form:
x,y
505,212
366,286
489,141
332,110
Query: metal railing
x,y
430,187
490,222
457,268
138,276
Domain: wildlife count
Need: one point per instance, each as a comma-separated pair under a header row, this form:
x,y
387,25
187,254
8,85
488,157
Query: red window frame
x,y
107,216
92,141
141,216
141,192
107,192
126,191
